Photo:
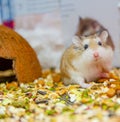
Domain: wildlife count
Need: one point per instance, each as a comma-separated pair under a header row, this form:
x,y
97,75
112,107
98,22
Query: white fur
x,y
86,41
88,68
76,41
98,39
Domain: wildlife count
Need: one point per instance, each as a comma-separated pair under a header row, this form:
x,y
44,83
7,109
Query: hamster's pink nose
x,y
96,54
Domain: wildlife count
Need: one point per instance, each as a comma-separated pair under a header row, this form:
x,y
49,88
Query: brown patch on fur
x,y
89,24
66,63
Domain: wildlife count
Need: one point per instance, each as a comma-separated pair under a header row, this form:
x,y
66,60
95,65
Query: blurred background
x,y
49,25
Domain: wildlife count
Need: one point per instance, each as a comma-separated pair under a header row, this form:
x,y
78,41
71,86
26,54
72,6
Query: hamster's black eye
x,y
99,43
86,46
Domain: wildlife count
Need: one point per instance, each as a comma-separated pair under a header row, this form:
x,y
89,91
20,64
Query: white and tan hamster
x,y
86,60
88,26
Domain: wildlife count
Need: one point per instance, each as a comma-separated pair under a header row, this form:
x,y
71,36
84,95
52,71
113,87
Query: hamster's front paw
x,y
82,83
85,85
104,75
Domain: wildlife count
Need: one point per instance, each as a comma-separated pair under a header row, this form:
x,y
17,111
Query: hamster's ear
x,y
80,18
104,36
76,41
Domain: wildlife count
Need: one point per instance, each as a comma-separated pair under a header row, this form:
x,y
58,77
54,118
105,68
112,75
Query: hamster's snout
x,y
96,54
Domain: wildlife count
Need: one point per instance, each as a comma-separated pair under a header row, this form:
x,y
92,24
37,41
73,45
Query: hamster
x,y
86,60
89,26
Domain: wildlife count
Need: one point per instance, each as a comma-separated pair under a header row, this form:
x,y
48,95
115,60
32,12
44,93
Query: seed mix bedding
x,y
47,99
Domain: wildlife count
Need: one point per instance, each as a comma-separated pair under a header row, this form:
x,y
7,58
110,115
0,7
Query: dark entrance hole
x,y
7,73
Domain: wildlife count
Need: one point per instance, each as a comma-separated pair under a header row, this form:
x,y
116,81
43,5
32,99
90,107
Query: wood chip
x,y
111,92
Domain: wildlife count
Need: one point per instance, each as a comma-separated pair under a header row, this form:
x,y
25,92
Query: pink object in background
x,y
9,23
7,13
